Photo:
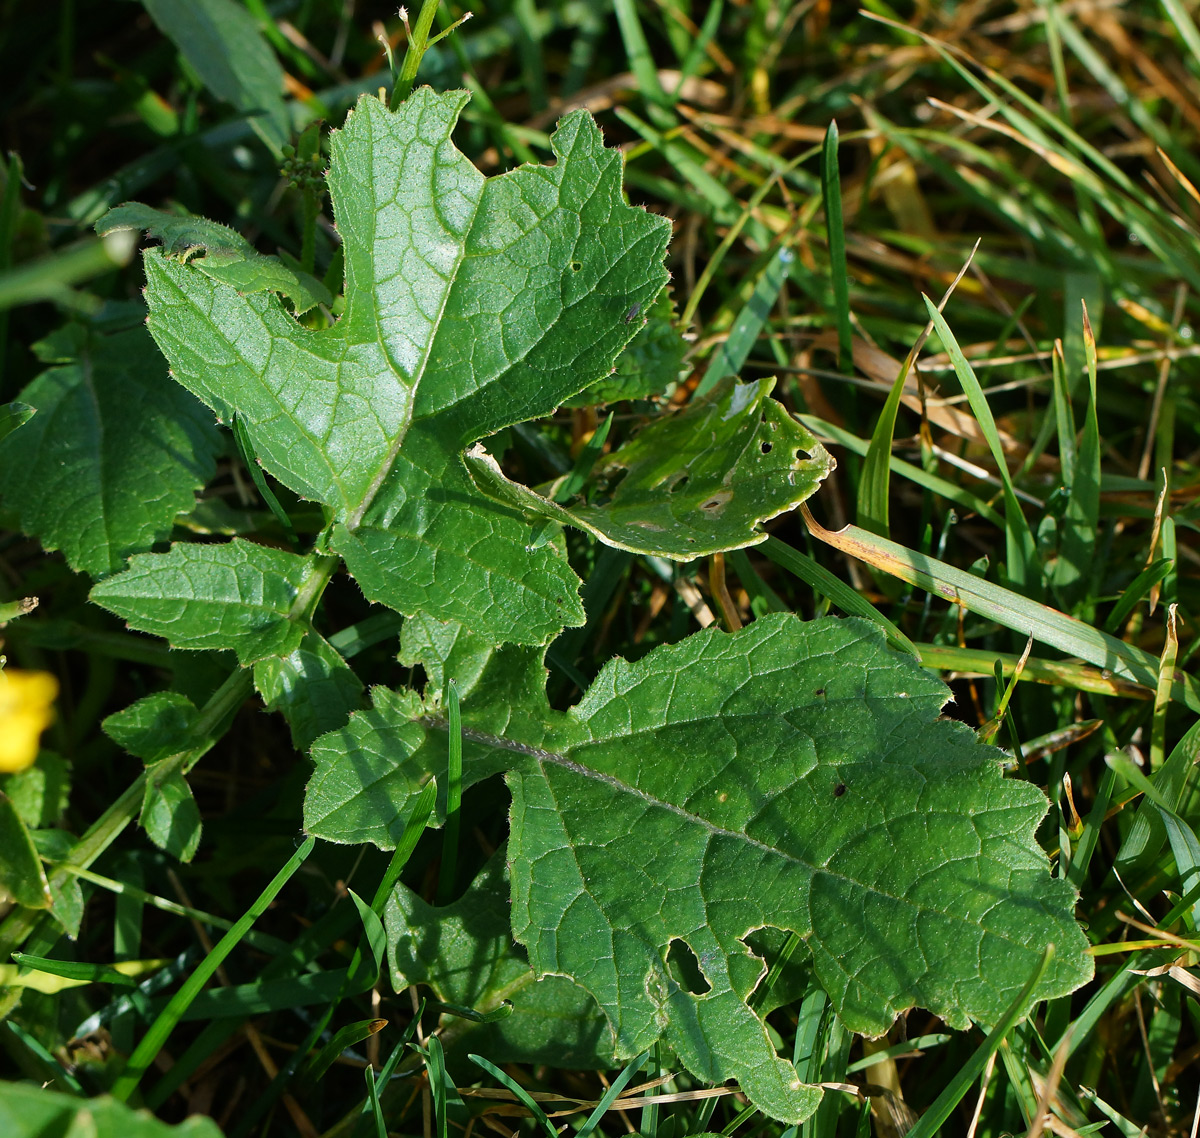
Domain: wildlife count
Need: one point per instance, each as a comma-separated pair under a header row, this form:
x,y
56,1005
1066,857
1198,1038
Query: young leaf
x,y
471,304
77,477
696,483
792,775
170,815
153,727
21,874
238,595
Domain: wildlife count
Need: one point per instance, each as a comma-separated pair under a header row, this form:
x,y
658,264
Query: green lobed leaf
x,y
471,304
28,1111
75,475
791,776
465,954
365,773
696,483
229,258
237,595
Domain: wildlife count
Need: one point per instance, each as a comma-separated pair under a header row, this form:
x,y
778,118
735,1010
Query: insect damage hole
x,y
684,968
714,505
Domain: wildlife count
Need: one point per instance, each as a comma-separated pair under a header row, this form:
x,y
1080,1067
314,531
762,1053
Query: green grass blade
x,y
641,63
1184,25
418,819
529,48
519,1091
831,186
874,484
435,1065
915,474
376,1105
749,323
848,599
51,1070
349,1035
1021,551
1077,551
591,451
71,970
250,461
1152,575
156,1037
610,1095
1006,608
936,1115
695,55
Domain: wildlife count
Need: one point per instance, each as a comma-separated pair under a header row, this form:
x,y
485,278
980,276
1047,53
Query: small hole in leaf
x,y
819,691
685,968
678,484
576,266
765,448
839,790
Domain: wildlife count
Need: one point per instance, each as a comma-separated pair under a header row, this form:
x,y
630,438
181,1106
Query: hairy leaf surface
x,y
238,595
313,686
228,257
651,365
471,304
794,776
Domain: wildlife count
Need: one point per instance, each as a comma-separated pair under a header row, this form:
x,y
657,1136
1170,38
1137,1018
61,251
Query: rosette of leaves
x,y
471,304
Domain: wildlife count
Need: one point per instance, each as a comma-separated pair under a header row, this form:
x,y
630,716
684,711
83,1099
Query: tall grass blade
x,y
831,186
156,1037
935,1117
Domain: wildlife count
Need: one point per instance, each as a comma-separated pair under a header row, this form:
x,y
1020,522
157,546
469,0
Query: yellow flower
x,y
26,710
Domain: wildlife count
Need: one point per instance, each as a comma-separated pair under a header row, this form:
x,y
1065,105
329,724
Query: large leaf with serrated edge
x,y
471,304
792,775
77,477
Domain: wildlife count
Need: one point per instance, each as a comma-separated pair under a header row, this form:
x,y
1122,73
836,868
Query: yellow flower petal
x,y
26,710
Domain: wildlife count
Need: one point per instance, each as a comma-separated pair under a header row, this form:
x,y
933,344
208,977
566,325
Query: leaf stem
x,y
207,730
305,604
449,870
415,51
